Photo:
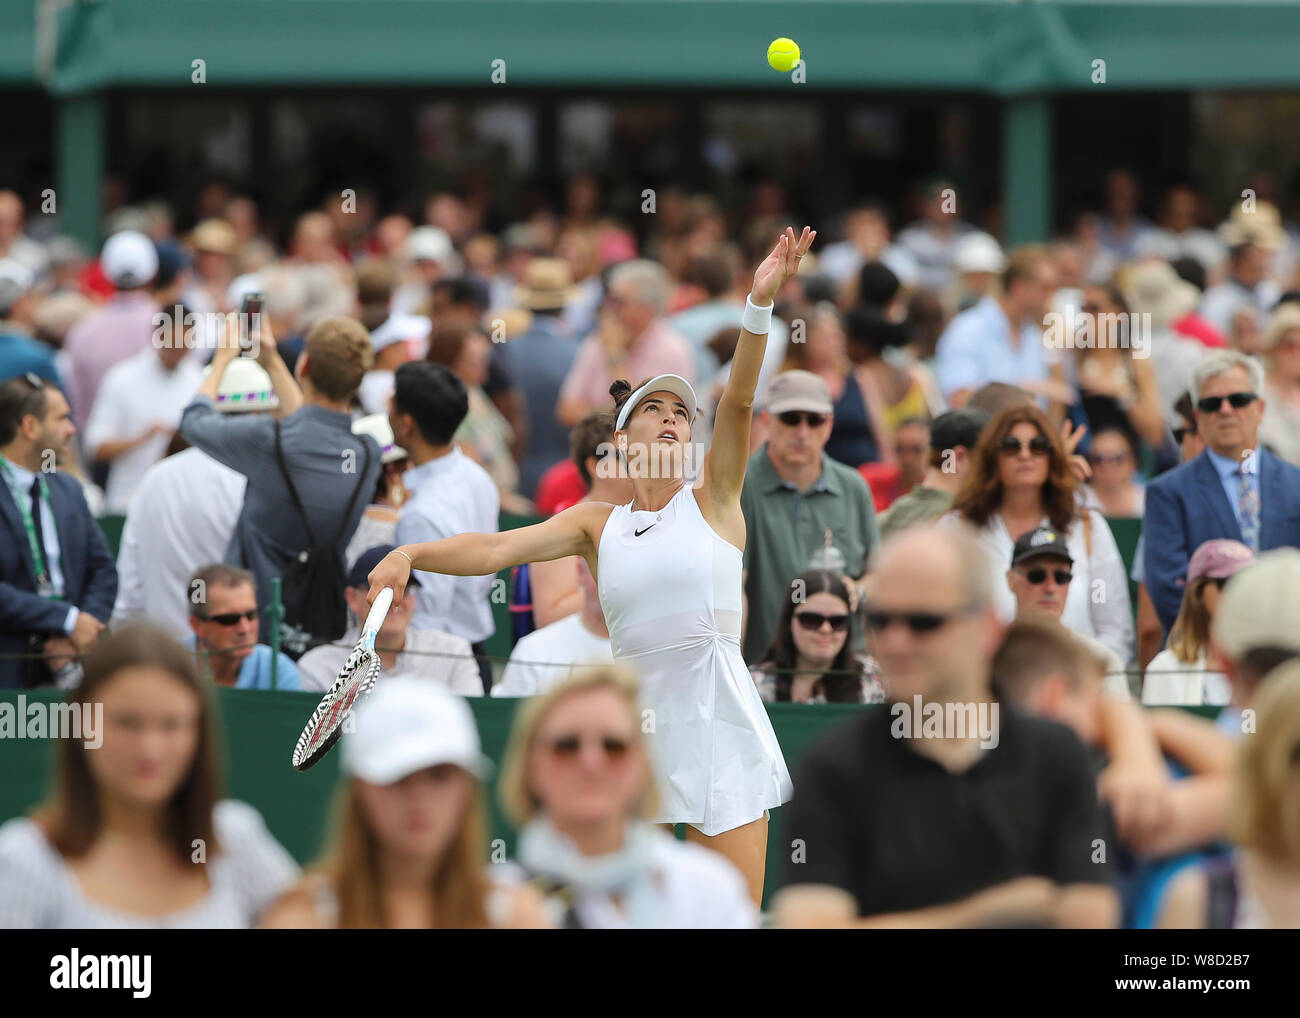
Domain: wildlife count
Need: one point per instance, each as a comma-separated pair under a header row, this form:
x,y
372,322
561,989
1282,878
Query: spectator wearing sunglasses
x,y
1040,576
1180,674
1113,458
794,493
1020,479
224,621
423,653
1234,489
811,660
907,830
577,782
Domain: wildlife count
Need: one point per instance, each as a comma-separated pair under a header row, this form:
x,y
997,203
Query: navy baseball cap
x,y
1040,541
359,574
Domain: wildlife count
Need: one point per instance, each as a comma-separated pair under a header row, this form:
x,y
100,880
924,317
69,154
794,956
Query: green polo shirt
x,y
785,528
920,505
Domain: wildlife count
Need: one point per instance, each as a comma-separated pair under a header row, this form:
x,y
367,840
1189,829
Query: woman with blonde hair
x,y
1019,478
577,781
135,833
1258,886
410,843
1180,674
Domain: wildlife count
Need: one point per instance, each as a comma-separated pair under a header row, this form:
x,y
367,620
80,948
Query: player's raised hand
x,y
394,570
781,264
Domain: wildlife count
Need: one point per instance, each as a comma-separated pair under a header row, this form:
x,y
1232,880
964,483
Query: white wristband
x,y
756,319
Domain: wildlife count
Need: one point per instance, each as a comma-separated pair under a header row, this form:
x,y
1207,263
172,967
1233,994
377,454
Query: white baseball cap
x,y
15,280
398,329
675,384
406,725
378,428
429,244
245,386
978,252
129,259
1260,605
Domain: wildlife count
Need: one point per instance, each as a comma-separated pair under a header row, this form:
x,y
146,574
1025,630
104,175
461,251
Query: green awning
x,y
993,46
17,43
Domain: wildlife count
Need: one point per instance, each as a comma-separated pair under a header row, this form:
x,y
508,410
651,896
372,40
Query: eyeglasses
x,y
813,621
1182,433
1101,459
918,623
232,618
792,418
1038,575
567,747
1036,446
1236,400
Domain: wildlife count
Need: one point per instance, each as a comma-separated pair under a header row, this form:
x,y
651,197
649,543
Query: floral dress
x,y
873,683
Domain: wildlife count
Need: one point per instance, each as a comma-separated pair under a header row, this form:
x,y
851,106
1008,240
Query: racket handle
x,y
378,611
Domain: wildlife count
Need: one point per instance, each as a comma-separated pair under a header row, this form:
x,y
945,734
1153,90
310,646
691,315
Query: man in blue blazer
x,y
1234,489
57,576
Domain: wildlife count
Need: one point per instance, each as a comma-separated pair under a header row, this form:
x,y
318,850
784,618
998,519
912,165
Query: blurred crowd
x,y
1000,418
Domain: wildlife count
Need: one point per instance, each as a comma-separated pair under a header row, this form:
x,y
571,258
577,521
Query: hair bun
x,y
620,390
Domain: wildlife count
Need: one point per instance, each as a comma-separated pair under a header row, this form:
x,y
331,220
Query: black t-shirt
x,y
900,832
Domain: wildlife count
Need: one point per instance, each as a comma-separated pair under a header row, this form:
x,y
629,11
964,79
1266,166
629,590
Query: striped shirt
x,y
39,891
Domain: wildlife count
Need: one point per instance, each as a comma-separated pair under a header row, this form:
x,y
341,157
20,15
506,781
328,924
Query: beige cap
x,y
1154,288
214,236
1261,226
1260,606
798,390
547,285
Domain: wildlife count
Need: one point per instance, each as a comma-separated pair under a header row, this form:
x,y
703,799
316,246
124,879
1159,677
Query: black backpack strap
x,y
1221,897
352,502
293,492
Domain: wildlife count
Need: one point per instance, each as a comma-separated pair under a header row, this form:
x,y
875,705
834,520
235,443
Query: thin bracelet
x,y
398,551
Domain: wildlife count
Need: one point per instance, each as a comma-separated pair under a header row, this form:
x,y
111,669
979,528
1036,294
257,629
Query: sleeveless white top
x,y
672,601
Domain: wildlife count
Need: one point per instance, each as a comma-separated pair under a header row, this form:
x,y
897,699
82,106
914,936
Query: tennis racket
x,y
356,678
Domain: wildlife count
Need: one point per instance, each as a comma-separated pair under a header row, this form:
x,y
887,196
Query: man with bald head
x,y
922,813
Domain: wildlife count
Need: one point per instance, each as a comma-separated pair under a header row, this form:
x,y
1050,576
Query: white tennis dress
x,y
671,591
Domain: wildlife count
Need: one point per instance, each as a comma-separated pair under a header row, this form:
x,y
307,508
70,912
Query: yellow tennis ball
x,y
783,54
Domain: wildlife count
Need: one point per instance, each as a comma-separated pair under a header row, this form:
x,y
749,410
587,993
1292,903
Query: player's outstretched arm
x,y
567,533
724,470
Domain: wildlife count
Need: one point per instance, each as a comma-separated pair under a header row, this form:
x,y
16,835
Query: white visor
x,y
675,384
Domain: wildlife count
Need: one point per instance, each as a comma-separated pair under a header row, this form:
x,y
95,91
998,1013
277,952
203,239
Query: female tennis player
x,y
668,568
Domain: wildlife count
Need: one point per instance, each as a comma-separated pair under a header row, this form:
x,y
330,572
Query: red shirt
x,y
1199,329
559,488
